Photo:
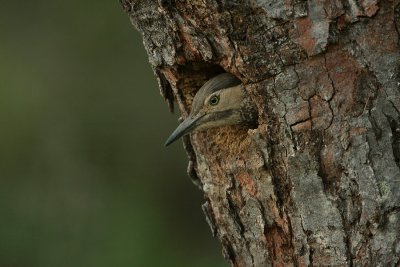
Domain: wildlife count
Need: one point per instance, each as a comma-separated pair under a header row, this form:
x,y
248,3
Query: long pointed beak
x,y
184,128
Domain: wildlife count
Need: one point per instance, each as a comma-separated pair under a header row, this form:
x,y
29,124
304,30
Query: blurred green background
x,y
84,177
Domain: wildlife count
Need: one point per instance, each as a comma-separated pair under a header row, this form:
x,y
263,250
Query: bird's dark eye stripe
x,y
214,100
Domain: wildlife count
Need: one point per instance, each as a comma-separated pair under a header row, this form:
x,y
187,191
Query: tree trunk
x,y
317,182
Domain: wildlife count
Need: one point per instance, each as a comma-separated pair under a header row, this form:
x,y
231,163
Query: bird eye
x,y
214,100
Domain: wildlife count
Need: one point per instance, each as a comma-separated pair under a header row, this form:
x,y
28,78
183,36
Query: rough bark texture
x,y
317,183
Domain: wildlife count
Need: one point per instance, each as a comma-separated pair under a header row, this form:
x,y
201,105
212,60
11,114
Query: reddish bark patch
x,y
170,75
247,183
370,7
344,71
304,36
313,31
330,169
277,235
277,241
381,35
314,79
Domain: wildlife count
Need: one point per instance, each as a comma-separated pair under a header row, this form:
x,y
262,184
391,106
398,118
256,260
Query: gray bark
x,y
317,183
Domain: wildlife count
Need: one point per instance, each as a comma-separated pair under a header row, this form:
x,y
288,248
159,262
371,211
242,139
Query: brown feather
x,y
221,81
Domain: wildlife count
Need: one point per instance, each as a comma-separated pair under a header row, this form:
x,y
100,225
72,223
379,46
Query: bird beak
x,y
188,125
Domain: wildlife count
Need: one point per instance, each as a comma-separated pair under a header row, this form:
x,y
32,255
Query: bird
x,y
221,101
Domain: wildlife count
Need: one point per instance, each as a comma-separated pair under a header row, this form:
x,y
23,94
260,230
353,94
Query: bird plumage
x,y
221,81
222,100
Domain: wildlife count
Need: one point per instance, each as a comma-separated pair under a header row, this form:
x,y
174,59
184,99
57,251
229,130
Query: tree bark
x,y
317,183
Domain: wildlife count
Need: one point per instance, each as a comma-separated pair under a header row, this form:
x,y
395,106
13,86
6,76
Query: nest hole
x,y
191,77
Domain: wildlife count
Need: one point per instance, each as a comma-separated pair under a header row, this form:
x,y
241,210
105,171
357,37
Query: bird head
x,y
221,101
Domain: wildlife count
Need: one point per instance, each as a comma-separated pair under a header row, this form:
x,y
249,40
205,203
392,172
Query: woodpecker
x,y
221,101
